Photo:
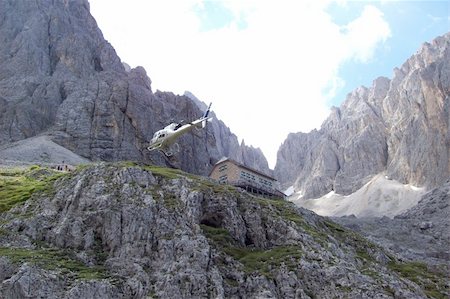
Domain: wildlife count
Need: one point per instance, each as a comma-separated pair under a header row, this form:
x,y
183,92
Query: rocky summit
x,y
398,127
59,78
130,231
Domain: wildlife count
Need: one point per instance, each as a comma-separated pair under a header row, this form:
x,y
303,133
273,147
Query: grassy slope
x,y
17,185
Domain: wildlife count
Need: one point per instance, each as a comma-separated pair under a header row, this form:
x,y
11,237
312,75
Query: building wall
x,y
227,171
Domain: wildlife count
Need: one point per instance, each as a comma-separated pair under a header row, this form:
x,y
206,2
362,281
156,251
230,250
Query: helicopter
x,y
164,139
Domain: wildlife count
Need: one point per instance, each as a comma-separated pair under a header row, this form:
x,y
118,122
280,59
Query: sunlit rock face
x,y
398,126
60,77
119,230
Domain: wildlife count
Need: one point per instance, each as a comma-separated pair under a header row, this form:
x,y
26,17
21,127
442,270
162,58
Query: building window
x,y
223,167
265,182
247,176
223,179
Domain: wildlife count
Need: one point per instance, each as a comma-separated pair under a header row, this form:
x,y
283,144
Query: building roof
x,y
224,159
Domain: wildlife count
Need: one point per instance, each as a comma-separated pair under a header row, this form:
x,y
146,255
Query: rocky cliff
x,y
398,126
126,231
420,233
61,78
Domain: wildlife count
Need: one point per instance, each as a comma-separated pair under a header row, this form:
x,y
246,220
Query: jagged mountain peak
x,y
60,78
397,126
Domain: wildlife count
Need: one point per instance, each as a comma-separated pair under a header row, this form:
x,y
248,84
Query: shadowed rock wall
x,y
59,76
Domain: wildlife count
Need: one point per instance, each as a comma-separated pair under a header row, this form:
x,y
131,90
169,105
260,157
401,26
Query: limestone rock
x,y
138,232
59,77
421,233
397,126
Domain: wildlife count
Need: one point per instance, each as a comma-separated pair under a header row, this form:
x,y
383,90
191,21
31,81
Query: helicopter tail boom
x,y
205,117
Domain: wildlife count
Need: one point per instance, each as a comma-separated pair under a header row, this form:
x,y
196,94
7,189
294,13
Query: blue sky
x,y
269,67
214,15
411,22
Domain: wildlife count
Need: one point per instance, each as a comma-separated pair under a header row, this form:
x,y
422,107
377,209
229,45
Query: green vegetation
x,y
370,272
81,167
433,283
219,236
364,248
201,183
205,185
253,260
287,211
167,197
282,208
125,163
364,255
53,259
165,172
171,201
18,185
333,226
263,261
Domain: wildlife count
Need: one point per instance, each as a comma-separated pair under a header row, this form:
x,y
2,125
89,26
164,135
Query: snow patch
x,y
298,195
415,188
381,196
330,194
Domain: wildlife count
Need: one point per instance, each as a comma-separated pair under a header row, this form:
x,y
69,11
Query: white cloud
x,y
365,33
269,78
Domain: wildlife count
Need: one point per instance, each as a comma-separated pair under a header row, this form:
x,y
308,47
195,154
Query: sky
x,y
270,67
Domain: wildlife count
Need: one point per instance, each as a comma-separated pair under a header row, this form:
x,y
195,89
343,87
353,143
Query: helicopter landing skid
x,y
169,157
174,149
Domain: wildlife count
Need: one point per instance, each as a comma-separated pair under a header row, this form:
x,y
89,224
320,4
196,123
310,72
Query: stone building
x,y
228,171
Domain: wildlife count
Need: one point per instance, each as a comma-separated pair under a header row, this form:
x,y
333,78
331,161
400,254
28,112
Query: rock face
x,y
420,233
124,231
397,126
59,77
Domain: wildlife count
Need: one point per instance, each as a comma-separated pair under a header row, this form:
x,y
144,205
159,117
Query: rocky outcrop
x,y
420,233
291,156
61,78
397,126
125,231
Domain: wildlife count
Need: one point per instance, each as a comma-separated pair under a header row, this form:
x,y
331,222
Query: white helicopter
x,y
164,139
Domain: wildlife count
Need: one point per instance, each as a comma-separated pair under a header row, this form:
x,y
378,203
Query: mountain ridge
x,y
61,78
397,126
